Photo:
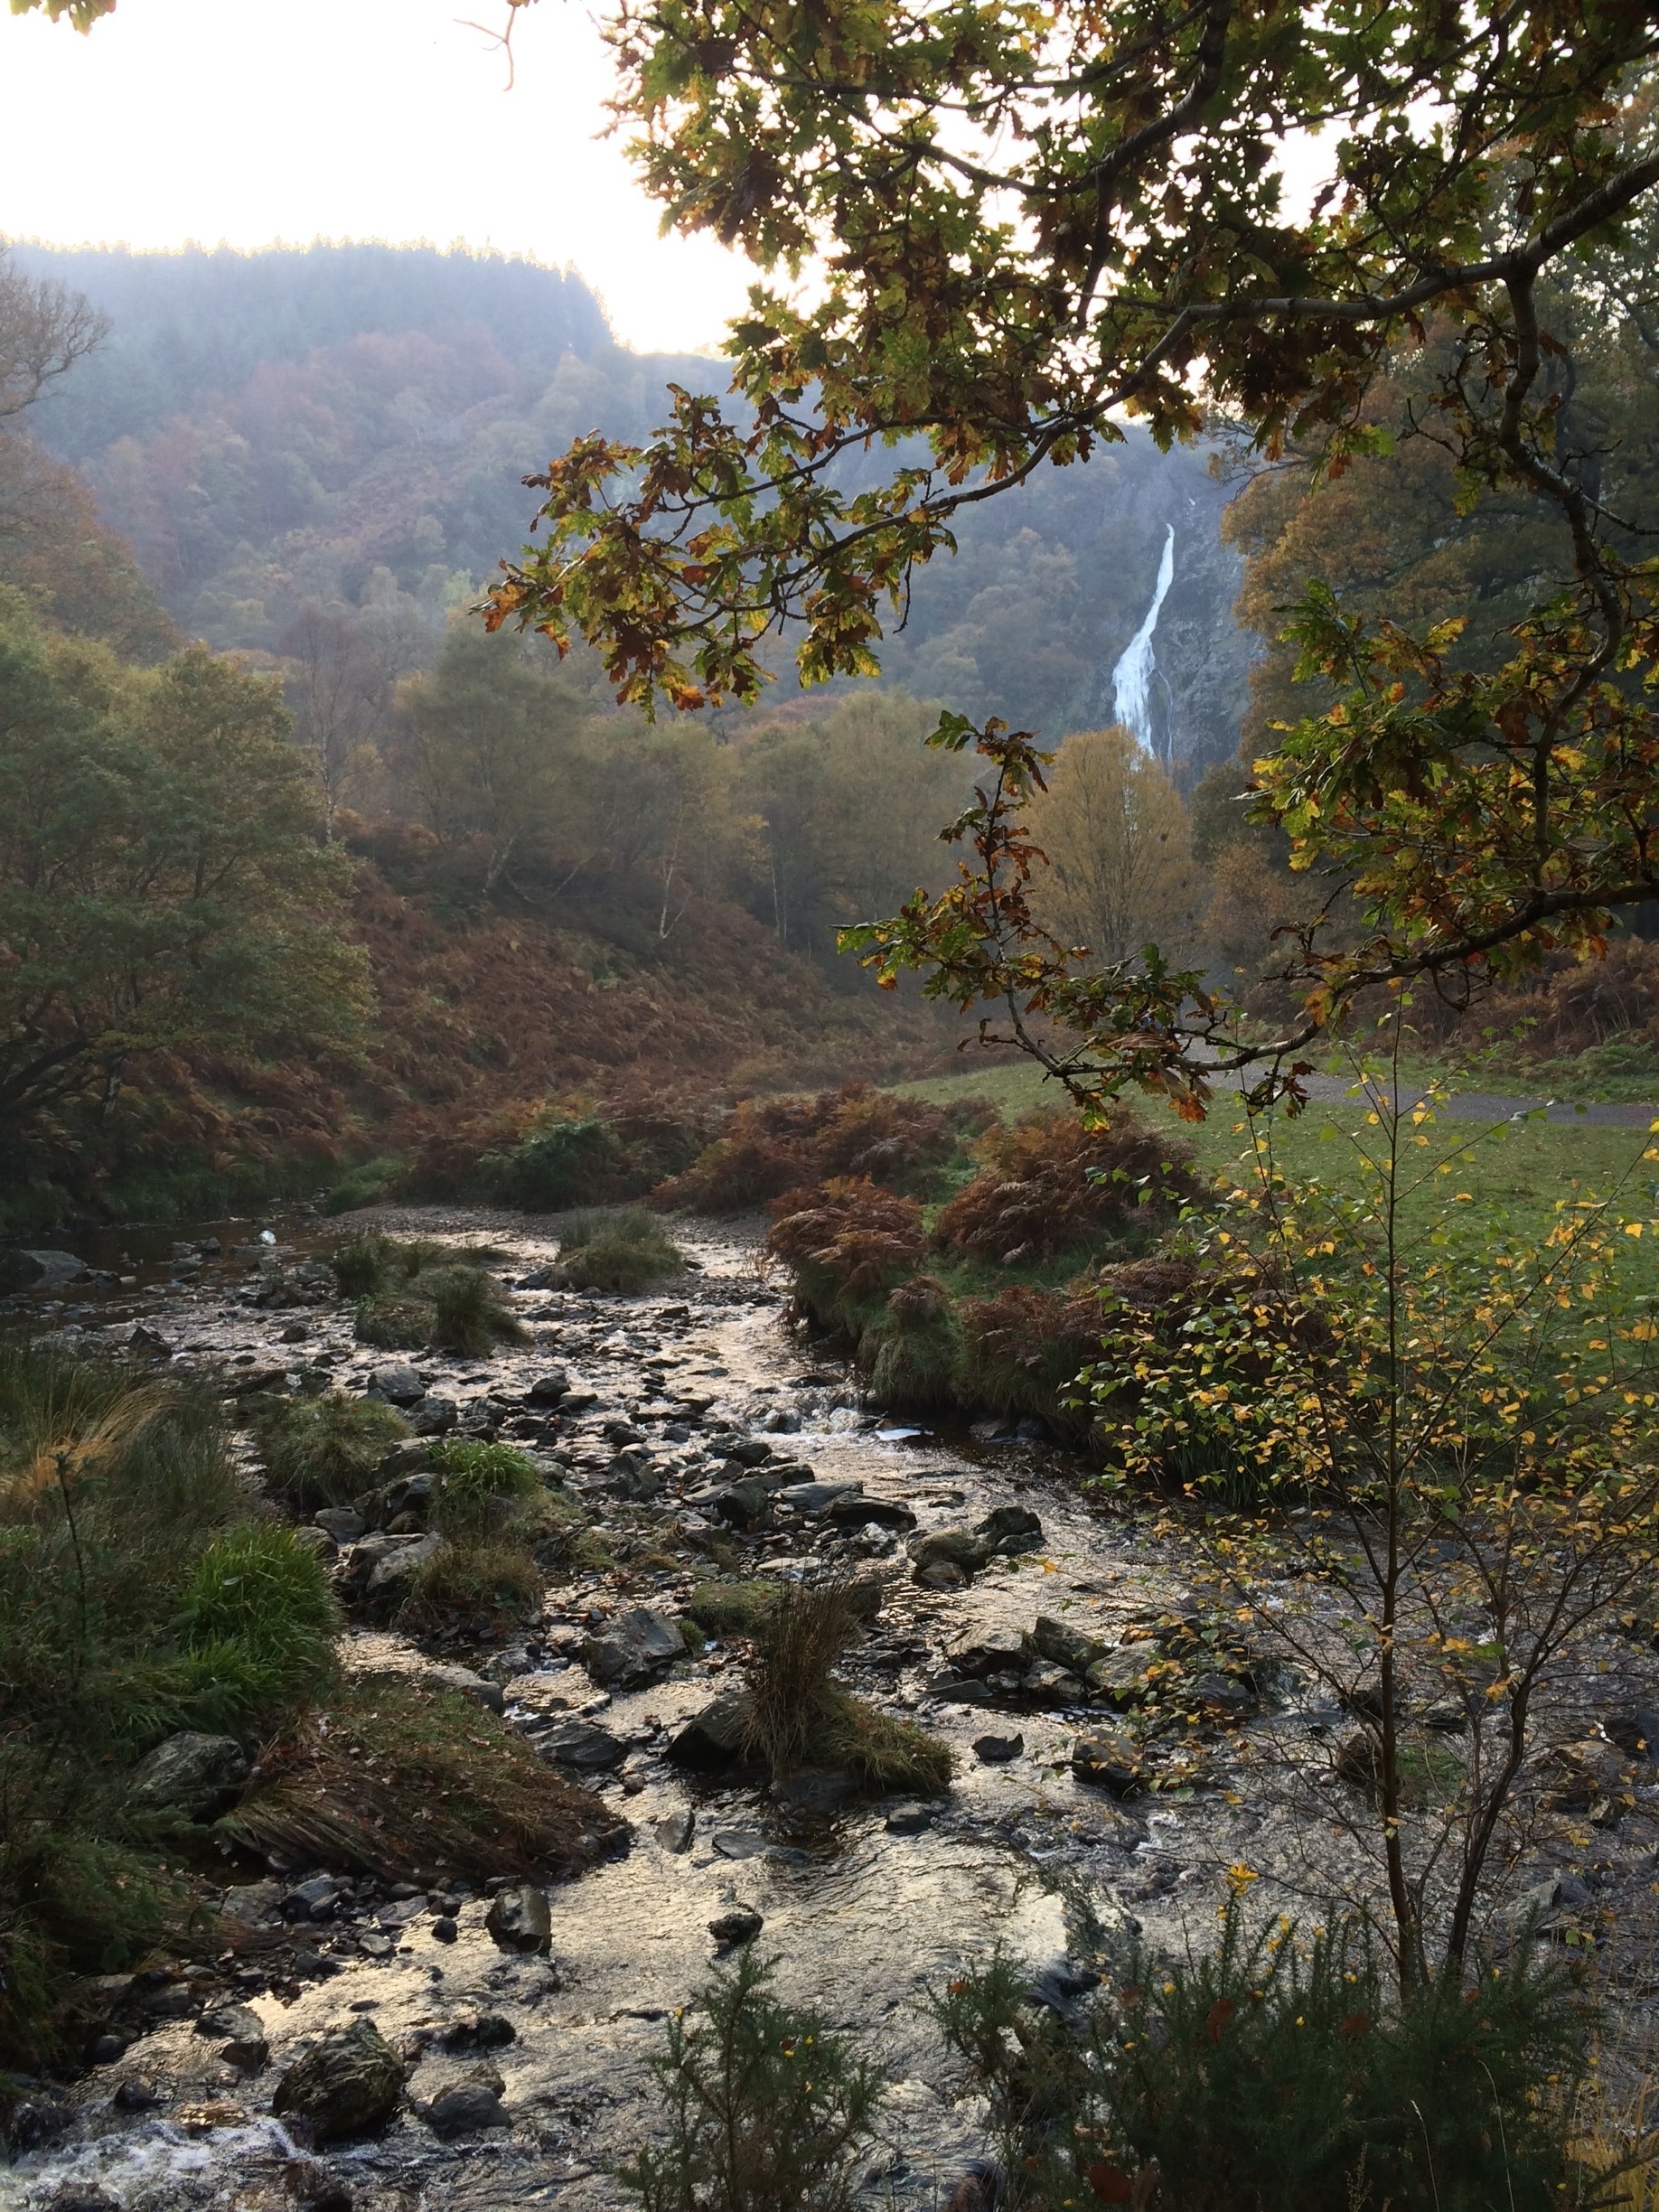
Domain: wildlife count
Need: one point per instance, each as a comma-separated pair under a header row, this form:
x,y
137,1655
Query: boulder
x,y
349,2083
997,1750
435,1416
467,2108
675,1832
520,1918
962,1549
1120,1676
400,1562
397,1382
633,1475
748,1451
583,1744
858,1512
745,1504
190,1773
38,1270
818,1497
1063,1646
632,1647
714,1737
1109,1759
1011,1529
548,1387
733,1929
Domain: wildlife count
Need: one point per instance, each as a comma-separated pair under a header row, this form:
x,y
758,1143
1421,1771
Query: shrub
x,y
913,1349
1276,2076
259,1622
616,1251
324,1451
764,2107
474,1473
577,1162
771,1145
1022,1351
476,1574
849,1245
1052,1185
469,1313
363,1187
394,1324
371,1265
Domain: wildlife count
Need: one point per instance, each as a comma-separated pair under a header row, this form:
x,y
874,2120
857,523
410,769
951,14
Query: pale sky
x,y
251,121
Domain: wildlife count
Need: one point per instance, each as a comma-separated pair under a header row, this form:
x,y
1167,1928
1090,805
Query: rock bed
x,y
1110,1728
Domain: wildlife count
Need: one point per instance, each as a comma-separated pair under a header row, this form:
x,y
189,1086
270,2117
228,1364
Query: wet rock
x,y
240,2035
39,1270
34,2121
398,1461
347,2084
312,2186
736,1928
748,1451
818,1790
136,2094
1064,1646
632,1647
397,1384
941,1575
584,1744
445,1928
675,1832
964,1550
997,1750
715,1737
818,1497
1011,1529
548,1387
859,1512
959,1689
1122,1676
1048,1684
738,1842
435,1417
80,2197
190,1773
986,1651
253,1903
489,2031
1224,1694
520,1918
633,1475
467,2108
1109,1759
911,1819
314,1900
148,1344
745,1504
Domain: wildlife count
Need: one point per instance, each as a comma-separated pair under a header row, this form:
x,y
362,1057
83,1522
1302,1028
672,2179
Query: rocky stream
x,y
1023,1615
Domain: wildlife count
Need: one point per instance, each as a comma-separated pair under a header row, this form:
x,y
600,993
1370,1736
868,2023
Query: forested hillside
x,y
348,426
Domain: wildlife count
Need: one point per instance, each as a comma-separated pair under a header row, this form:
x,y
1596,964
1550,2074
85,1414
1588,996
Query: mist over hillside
x,y
347,425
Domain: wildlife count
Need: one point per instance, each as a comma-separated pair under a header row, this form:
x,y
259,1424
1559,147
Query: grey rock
x,y
738,1842
997,1750
632,1647
401,1561
520,1918
148,1344
748,1451
584,1744
347,2084
38,1270
241,2034
963,1549
714,1737
445,1928
190,1773
741,1926
633,1475
398,1461
344,1523
745,1504
675,1832
818,1790
941,1575
548,1387
314,1900
859,1512
1064,1646
914,1818
482,1691
817,1497
253,1903
397,1384
1121,1675
1110,1760
435,1416
1634,1729
986,1651
467,2108
1012,1528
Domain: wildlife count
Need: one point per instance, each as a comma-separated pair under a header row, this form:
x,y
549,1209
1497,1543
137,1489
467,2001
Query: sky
x,y
254,121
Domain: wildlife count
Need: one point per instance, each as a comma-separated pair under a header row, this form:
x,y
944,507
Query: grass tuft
x,y
624,1250
324,1451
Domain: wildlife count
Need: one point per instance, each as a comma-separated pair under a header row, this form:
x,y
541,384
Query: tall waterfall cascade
x,y
1131,680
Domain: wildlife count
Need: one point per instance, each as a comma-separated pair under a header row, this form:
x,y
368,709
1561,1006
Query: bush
x,y
364,1186
1050,1184
476,1574
616,1251
259,1623
324,1451
848,1246
912,1349
1023,1350
371,1265
765,2107
1276,2076
474,1473
394,1324
577,1162
772,1146
469,1313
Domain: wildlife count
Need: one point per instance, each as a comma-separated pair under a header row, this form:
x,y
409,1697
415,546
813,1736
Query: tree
x,y
1116,835
161,885
338,695
1027,226
45,329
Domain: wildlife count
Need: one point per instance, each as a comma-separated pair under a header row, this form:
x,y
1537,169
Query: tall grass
x,y
324,1451
623,1250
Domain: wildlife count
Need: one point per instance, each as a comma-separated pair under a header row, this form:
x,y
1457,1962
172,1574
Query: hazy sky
x,y
254,120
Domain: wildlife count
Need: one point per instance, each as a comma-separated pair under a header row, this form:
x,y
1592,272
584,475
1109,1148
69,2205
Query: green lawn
x,y
1515,1173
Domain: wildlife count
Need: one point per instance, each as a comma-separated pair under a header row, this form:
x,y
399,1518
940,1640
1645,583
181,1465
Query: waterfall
x,y
1131,680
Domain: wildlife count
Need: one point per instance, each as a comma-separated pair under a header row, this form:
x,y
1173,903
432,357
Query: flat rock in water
x,y
520,1918
632,1647
817,1497
912,1819
349,2083
190,1773
859,1511
38,1270
997,1750
548,1387
675,1832
738,1842
583,1743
